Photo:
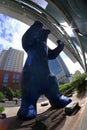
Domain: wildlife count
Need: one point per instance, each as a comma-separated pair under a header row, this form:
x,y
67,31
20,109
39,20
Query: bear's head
x,y
35,34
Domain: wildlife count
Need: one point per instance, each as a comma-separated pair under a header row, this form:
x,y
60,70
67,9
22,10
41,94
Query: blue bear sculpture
x,y
36,76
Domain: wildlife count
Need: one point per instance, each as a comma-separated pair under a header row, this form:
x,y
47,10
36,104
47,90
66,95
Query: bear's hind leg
x,y
26,111
56,99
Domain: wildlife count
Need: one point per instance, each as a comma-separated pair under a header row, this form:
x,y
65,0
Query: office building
x,y
11,60
59,69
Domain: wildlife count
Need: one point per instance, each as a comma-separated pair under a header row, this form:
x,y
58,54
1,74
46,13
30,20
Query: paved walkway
x,y
12,111
11,108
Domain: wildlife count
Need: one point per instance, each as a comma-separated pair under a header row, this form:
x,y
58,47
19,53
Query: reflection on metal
x,y
56,12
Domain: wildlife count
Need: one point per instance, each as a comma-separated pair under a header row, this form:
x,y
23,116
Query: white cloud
x,y
5,43
18,33
50,44
11,32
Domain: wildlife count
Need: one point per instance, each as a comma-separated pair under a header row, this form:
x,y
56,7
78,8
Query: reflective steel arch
x,y
55,13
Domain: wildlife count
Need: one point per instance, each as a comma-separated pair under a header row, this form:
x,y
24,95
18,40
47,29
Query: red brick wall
x,y
10,79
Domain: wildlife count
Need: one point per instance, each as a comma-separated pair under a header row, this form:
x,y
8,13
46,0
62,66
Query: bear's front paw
x,y
60,44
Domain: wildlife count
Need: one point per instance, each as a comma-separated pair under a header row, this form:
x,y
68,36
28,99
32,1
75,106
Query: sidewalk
x,y
12,111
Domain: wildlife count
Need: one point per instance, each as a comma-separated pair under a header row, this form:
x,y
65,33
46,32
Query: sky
x,y
11,31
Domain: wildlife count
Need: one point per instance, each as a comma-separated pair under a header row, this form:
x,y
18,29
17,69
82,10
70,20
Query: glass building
x,y
59,69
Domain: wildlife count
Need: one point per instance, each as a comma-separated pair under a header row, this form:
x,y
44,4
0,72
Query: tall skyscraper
x,y
11,60
11,64
59,69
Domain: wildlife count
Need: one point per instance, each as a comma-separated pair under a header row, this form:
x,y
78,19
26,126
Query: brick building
x,y
9,79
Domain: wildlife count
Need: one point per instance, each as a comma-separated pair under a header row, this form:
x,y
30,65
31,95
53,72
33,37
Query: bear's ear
x,y
35,27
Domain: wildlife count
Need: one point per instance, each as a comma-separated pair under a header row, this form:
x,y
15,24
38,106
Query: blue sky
x,y
11,31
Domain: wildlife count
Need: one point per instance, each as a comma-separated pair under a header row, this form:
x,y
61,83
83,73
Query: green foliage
x,y
10,93
1,109
1,95
66,89
81,88
78,83
18,93
79,76
78,79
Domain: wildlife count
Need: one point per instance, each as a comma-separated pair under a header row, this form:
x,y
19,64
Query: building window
x,y
14,75
17,76
55,67
15,81
5,82
5,85
5,79
6,76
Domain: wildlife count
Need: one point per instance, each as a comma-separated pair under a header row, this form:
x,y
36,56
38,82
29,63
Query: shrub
x,y
66,89
10,94
1,96
79,76
78,83
18,93
1,109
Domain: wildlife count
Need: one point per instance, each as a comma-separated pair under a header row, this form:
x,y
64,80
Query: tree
x,y
18,93
1,95
10,93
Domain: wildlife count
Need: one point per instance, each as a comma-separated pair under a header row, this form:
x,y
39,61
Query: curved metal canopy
x,y
54,16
